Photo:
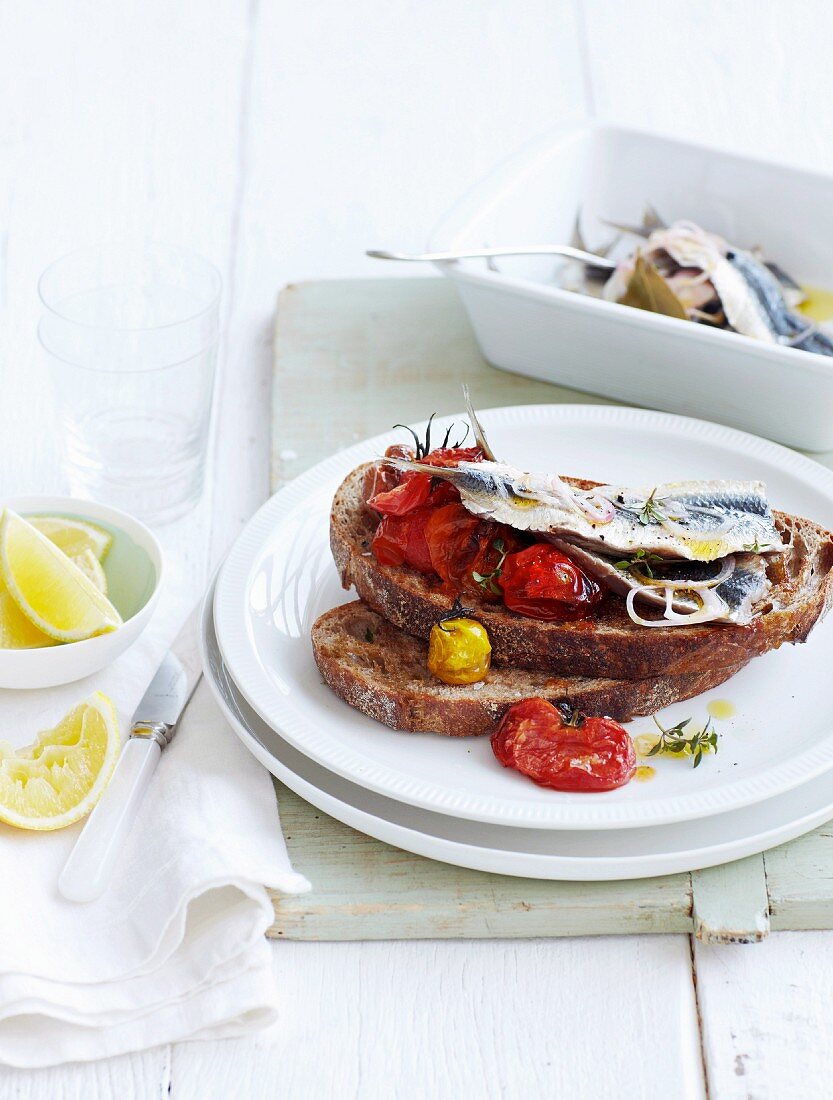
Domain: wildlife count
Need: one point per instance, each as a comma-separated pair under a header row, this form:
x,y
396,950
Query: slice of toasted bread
x,y
382,671
608,644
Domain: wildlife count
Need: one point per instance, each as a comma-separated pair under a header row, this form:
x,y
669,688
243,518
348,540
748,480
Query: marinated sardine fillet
x,y
690,520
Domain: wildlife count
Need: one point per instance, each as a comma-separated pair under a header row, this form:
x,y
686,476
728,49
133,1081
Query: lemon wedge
x,y
50,590
60,777
91,567
74,536
16,632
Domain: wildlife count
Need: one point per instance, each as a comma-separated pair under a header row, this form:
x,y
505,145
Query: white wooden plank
x,y
131,1077
118,120
752,77
730,903
368,120
562,1018
765,1016
347,147
112,130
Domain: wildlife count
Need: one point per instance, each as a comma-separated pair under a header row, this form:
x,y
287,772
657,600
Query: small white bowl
x,y
133,566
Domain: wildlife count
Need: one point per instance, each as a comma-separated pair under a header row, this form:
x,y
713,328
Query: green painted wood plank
x,y
367,890
800,881
354,357
730,903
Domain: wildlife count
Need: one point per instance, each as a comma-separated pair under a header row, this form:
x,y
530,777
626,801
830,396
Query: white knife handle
x,y
87,871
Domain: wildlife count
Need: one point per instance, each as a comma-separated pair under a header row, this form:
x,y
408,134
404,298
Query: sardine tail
x,y
477,427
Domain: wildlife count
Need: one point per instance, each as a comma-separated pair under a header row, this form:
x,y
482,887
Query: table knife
x,y
87,871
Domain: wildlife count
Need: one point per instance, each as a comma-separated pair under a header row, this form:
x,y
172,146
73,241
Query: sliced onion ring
x,y
596,507
711,608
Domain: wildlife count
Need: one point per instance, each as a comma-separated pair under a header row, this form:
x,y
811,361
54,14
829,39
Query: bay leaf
x,y
648,290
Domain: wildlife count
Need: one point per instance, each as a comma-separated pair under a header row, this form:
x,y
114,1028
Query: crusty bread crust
x,y
382,672
607,645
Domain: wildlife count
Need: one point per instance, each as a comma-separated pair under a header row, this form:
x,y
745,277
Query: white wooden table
x,y
281,138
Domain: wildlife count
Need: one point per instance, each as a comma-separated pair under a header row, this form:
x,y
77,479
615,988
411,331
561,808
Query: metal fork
x,y
566,250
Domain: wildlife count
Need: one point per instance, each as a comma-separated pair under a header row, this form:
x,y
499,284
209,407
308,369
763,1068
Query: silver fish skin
x,y
785,324
740,592
744,590
690,520
794,293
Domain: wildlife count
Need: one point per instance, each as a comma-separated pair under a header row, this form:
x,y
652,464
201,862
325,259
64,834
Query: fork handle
x,y
520,250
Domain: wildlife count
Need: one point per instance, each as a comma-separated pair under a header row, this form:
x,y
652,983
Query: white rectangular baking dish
x,y
526,324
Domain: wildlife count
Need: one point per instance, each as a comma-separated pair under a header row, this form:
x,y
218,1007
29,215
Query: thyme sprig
x,y
675,740
650,511
488,581
641,562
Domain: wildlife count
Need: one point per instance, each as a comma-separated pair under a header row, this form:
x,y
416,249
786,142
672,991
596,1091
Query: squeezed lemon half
x,y
49,589
59,777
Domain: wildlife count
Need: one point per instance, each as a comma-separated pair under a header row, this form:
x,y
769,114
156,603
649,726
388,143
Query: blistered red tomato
x,y
400,540
413,489
379,478
453,456
467,551
542,583
562,749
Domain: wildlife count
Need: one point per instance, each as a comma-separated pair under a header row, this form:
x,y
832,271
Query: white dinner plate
x,y
528,853
279,577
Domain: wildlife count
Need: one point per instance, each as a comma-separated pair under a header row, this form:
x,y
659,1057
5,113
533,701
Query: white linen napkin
x,y
175,947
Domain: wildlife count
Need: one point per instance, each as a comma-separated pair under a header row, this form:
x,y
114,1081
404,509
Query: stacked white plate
x,y
448,798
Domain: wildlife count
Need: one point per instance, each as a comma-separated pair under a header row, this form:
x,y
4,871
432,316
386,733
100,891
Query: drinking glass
x,y
131,334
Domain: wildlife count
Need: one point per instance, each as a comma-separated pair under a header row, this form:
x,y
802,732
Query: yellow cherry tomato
x,y
459,651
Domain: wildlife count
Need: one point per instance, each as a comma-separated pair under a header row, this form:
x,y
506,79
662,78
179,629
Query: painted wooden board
x,y
367,890
382,351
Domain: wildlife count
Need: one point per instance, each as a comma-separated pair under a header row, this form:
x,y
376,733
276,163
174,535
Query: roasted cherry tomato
x,y
453,456
467,551
542,583
459,650
400,540
413,489
380,478
560,748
